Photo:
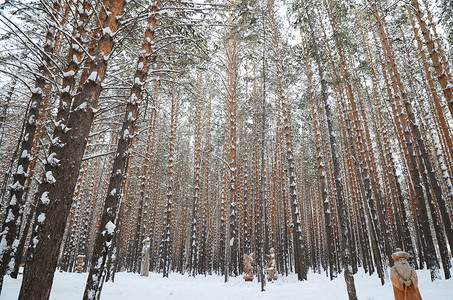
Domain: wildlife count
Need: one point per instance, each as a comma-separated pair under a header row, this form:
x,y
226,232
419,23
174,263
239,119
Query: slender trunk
x,y
338,184
231,91
299,251
166,235
5,106
193,259
320,158
204,251
442,70
398,89
16,201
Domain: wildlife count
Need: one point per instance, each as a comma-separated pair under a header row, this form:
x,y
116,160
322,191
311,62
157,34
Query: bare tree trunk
x,y
166,235
16,201
63,165
320,158
398,89
349,278
193,259
299,253
440,64
103,241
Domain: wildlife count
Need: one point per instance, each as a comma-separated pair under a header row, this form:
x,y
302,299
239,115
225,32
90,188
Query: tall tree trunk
x,y
440,65
166,234
193,258
4,112
231,48
338,184
320,158
63,165
103,241
398,89
16,201
299,251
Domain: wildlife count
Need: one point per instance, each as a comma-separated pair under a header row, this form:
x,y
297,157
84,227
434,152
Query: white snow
x,y
57,142
99,263
105,57
52,159
93,76
31,120
70,286
69,73
3,245
126,134
25,154
41,217
13,200
11,264
49,177
133,99
108,31
10,217
75,46
15,243
110,227
16,186
36,90
76,59
130,117
82,106
45,198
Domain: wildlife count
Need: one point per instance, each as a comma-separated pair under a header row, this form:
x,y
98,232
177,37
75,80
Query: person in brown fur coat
x,y
404,278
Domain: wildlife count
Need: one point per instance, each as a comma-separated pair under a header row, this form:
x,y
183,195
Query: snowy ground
x,y
70,286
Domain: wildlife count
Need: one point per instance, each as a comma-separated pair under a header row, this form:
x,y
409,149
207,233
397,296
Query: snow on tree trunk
x,y
165,255
410,131
338,184
193,260
440,65
321,161
299,251
231,48
16,201
56,190
103,240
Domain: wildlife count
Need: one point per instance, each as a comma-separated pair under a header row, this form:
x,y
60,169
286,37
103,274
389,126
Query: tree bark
x,y
299,251
16,201
349,278
63,165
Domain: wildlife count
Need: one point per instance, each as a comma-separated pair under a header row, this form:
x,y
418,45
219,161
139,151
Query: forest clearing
x,y
298,143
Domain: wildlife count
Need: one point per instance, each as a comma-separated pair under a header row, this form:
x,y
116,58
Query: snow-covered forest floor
x,y
70,286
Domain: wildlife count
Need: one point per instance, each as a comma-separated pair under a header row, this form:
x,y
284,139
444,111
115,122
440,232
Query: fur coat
x,y
405,282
